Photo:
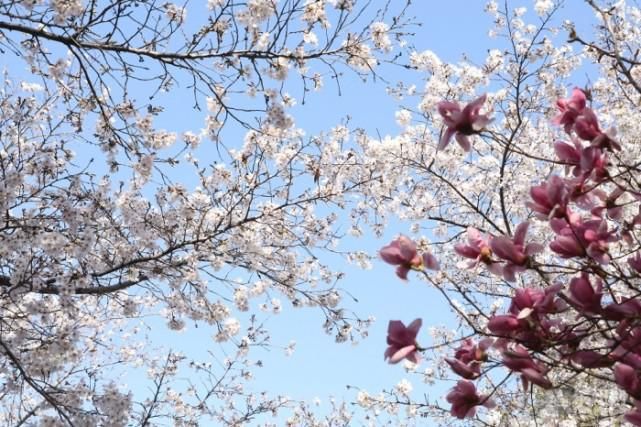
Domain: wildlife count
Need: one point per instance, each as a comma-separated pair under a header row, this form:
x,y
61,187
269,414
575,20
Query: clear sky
x,y
319,367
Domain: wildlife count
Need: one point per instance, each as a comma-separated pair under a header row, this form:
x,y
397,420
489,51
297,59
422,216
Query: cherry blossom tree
x,y
110,221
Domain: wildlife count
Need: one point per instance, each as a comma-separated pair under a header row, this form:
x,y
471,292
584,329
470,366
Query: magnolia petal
x,y
402,354
463,141
445,138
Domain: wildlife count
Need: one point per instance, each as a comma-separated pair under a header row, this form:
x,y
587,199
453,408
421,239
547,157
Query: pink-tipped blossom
x,y
514,251
569,109
462,123
465,398
402,341
402,253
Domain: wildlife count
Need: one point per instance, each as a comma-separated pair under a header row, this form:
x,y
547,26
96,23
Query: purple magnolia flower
x,y
592,359
462,123
594,161
464,399
634,416
628,308
402,341
527,319
504,324
587,125
536,301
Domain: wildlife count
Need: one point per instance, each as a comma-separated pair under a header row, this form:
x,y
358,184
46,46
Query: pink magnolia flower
x,y
627,379
527,320
462,123
504,324
567,246
469,351
570,109
468,358
584,297
628,308
591,359
627,348
628,226
518,359
594,162
550,199
570,154
587,128
626,356
429,261
402,341
514,251
478,249
468,371
402,253
529,301
464,399
634,416
582,238
608,204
